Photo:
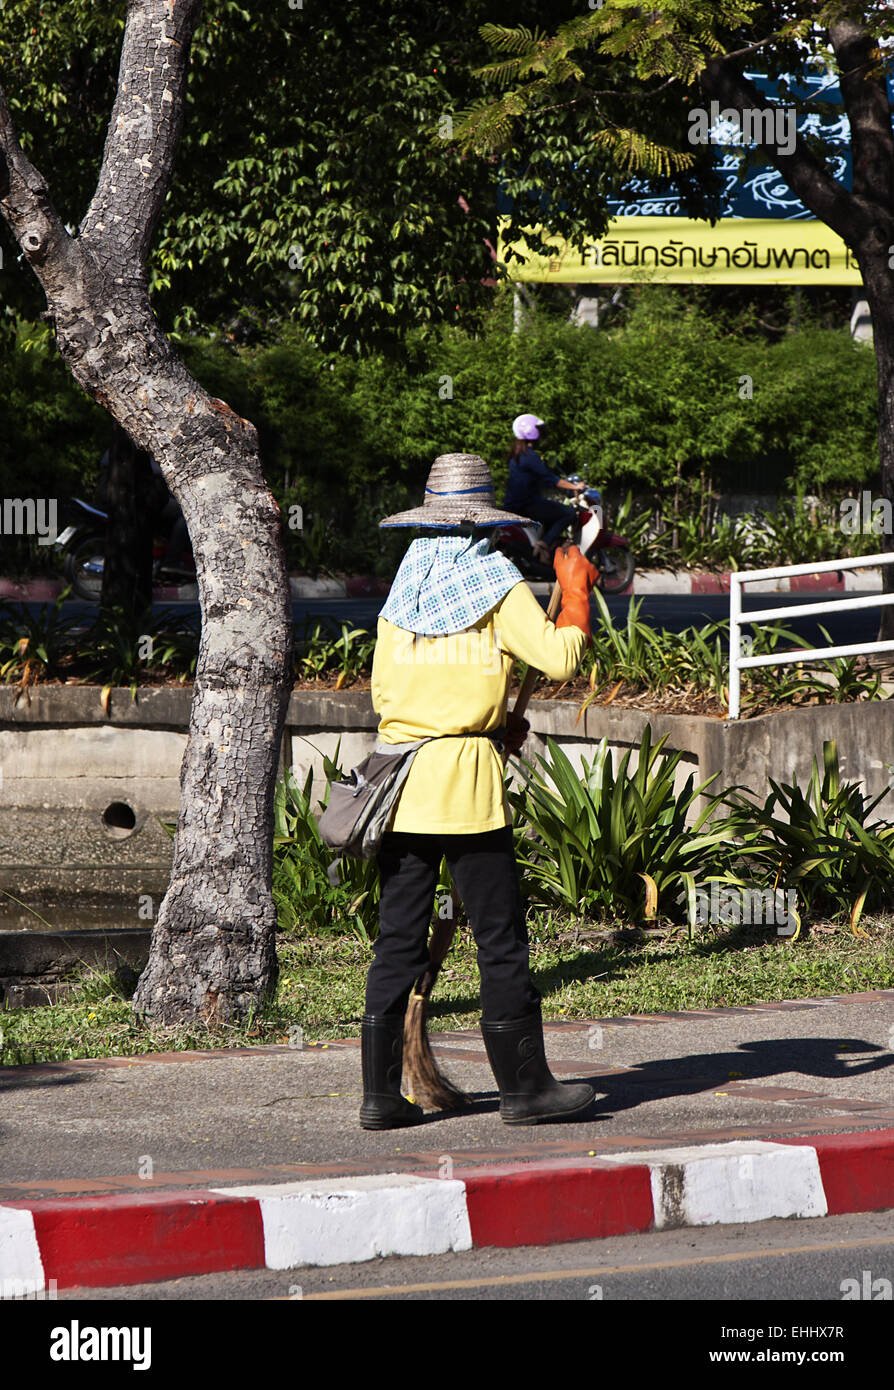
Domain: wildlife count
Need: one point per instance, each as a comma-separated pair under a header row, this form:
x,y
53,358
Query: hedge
x,y
664,396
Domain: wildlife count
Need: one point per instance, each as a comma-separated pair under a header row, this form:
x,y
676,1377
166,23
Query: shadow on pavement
x,y
762,1061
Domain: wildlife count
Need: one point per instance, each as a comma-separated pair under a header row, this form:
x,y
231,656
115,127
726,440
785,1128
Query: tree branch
x,y
589,93
26,205
866,103
803,172
145,127
746,52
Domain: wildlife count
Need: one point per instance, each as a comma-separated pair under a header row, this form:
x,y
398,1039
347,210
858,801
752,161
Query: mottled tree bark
x,y
863,217
213,951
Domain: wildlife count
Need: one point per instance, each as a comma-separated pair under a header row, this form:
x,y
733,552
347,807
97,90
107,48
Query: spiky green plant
x,y
823,841
626,843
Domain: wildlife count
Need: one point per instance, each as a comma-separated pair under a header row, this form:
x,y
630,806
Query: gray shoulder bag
x,y
362,805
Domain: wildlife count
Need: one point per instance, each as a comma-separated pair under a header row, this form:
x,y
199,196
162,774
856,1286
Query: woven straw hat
x,y
459,490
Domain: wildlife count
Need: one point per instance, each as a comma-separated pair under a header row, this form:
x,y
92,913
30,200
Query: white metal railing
x,y
738,578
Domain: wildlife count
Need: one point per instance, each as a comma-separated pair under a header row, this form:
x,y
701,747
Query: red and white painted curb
x,y
647,582
125,1239
708,582
369,586
355,586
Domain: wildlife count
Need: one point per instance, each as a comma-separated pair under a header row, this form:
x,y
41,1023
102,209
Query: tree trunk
x,y
213,954
873,255
213,949
862,217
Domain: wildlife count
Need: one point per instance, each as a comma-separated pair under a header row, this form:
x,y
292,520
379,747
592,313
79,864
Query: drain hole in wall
x,y
119,820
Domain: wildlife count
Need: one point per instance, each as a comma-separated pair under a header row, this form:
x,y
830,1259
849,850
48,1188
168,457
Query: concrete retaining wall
x,y
82,793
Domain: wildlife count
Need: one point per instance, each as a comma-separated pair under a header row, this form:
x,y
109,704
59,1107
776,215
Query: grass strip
x,y
322,980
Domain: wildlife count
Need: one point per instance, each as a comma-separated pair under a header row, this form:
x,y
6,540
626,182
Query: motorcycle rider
x,y
528,475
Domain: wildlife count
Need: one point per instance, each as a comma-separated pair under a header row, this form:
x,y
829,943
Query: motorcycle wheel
x,y
84,565
616,568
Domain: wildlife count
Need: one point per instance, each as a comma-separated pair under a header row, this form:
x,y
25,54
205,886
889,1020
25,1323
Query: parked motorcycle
x,y
83,544
609,552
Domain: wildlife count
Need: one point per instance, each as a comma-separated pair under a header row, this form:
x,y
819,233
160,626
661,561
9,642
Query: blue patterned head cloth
x,y
446,583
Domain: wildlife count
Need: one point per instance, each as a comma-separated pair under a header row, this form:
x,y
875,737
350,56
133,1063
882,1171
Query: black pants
x,y
484,872
554,517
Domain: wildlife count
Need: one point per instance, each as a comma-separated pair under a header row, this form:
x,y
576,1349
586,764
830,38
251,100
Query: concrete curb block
x,y
707,582
100,1242
649,582
368,586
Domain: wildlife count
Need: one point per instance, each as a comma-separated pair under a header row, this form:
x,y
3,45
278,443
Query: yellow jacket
x,y
424,686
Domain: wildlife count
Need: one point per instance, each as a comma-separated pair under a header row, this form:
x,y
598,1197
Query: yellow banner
x,y
680,251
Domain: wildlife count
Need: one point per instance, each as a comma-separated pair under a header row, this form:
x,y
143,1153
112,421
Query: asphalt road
x,y
763,1262
766,1293
671,611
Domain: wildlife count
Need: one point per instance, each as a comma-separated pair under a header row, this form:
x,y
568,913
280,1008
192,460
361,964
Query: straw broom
x,y
426,1083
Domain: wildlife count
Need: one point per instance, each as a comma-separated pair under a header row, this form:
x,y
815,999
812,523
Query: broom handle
x,y
443,931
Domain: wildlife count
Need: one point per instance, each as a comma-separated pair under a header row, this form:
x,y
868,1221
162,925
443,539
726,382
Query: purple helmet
x,y
526,427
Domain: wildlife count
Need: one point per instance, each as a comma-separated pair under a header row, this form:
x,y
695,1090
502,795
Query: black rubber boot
x,y
382,1053
529,1093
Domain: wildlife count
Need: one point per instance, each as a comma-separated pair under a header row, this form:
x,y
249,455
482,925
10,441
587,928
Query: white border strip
x,y
746,1180
347,1220
21,1268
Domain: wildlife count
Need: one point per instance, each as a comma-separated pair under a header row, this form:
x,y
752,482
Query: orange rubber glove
x,y
577,577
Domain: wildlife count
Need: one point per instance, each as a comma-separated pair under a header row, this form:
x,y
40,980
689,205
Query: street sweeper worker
x,y
457,616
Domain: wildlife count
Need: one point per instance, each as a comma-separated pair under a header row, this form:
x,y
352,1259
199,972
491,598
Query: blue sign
x,y
753,192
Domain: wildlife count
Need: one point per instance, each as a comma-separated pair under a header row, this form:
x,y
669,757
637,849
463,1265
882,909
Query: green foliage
x,y
307,901
617,842
824,842
667,44
695,661
342,205
852,681
637,652
34,643
634,152
122,647
685,530
118,648
621,843
651,409
350,654
670,400
323,424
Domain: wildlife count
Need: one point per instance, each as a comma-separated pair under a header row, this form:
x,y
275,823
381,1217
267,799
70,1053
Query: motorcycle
x,y
609,552
82,545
